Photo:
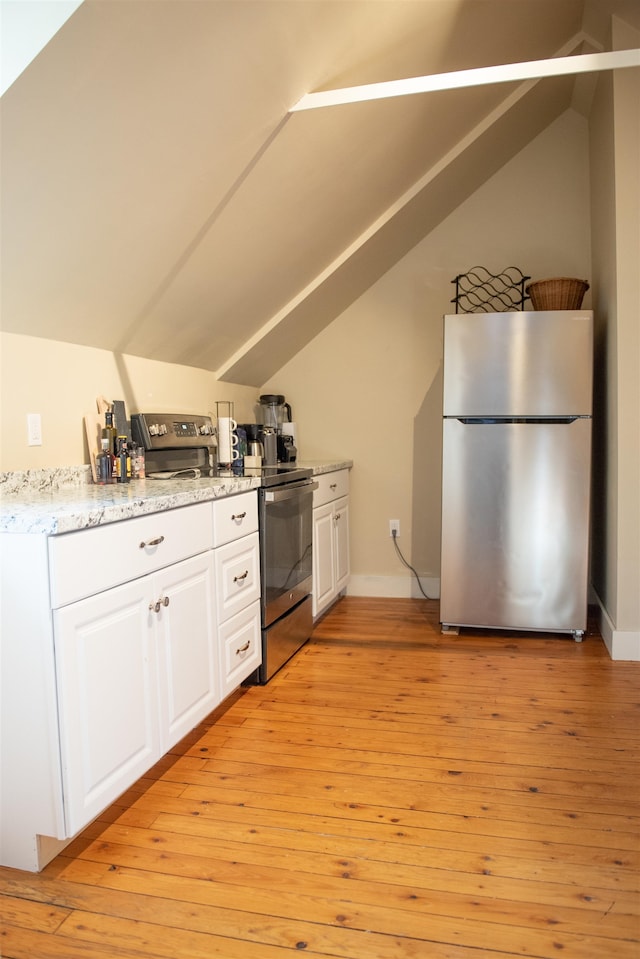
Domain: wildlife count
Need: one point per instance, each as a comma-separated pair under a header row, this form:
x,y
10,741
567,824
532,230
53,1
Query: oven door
x,y
286,524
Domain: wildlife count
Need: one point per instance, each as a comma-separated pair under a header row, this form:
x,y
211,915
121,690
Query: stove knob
x,y
162,429
154,429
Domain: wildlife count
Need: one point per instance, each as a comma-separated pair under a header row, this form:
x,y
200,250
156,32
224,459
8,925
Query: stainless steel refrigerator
x,y
516,464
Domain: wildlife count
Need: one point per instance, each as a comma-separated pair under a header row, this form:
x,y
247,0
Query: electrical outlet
x,y
34,429
394,527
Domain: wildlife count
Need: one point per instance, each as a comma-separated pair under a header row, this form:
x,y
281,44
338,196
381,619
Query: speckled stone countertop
x,y
65,499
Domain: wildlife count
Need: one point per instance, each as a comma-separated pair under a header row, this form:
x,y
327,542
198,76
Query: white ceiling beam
x,y
509,72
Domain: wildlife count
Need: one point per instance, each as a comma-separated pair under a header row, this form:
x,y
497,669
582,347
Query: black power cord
x,y
408,565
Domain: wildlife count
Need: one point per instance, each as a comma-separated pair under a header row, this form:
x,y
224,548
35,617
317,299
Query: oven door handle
x,y
291,491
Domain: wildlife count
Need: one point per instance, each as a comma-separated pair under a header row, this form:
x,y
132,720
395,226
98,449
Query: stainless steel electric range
x,y
286,529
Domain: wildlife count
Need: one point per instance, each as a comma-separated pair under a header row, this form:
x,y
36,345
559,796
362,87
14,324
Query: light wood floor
x,y
392,793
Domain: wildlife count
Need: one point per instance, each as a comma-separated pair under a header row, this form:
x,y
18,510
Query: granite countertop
x,y
63,500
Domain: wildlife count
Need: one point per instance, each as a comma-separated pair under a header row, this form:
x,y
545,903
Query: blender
x,y
274,412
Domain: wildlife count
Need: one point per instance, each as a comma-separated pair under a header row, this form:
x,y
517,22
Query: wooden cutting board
x,y
93,423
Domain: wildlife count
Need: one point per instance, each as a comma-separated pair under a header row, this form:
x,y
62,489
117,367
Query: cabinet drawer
x,y
237,575
235,516
240,647
92,560
331,486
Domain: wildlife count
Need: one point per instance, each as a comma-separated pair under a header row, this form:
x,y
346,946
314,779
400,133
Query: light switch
x,y
34,429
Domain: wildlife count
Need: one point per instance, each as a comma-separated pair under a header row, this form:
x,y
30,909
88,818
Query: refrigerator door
x,y
518,364
515,520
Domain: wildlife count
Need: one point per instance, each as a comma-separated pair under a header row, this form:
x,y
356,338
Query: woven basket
x,y
559,293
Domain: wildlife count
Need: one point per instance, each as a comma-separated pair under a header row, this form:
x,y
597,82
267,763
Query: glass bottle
x,y
124,462
110,433
104,464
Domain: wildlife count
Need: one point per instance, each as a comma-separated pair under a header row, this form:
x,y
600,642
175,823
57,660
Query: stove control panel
x,y
158,431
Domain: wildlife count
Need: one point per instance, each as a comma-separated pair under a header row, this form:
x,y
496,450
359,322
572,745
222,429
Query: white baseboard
x,y
621,644
393,587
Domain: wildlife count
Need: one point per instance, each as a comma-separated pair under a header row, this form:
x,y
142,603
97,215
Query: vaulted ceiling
x,y
159,199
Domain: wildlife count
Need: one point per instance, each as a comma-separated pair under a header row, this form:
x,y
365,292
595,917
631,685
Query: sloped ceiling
x,y
158,199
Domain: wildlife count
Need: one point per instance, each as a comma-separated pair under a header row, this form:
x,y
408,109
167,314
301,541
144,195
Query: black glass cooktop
x,y
273,475
268,475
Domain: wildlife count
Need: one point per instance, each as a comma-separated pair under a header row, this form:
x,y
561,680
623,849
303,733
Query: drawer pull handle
x,y
244,648
159,603
333,485
152,542
238,515
242,576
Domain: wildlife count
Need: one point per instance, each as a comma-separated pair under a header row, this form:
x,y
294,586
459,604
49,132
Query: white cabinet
x,y
187,644
114,646
136,664
324,573
108,700
341,527
330,538
237,572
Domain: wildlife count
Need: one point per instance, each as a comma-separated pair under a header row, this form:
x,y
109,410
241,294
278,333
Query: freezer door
x,y
515,520
518,364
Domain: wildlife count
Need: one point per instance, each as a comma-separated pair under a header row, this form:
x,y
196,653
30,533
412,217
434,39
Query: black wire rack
x,y
479,291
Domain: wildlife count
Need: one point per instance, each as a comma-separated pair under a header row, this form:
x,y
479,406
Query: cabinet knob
x,y
337,517
333,485
242,576
244,648
159,603
238,515
152,542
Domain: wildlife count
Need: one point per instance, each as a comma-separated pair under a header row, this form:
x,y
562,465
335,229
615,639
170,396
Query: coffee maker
x,y
275,417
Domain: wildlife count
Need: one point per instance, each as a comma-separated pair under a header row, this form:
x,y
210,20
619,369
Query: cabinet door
x,y
324,576
187,649
341,522
107,698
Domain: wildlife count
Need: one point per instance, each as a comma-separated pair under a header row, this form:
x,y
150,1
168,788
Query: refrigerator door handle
x,y
501,420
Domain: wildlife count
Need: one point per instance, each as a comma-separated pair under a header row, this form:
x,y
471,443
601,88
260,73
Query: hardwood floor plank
x,y
410,870
484,820
318,745
41,917
419,768
410,850
271,938
377,722
373,823
531,795
498,717
17,943
318,904
113,857
184,941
